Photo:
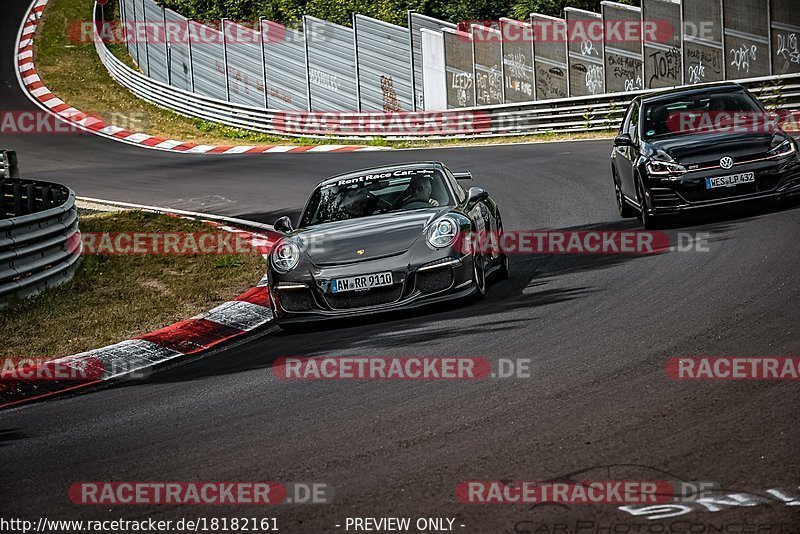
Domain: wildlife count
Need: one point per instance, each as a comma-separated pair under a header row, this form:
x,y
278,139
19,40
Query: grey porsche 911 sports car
x,y
381,239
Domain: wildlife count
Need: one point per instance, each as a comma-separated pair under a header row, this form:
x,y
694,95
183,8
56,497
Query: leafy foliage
x,y
290,12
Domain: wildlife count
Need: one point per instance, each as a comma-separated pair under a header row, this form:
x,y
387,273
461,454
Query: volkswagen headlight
x,y
285,256
443,232
786,148
665,168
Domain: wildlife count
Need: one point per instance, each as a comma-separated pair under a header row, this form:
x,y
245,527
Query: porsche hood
x,y
366,238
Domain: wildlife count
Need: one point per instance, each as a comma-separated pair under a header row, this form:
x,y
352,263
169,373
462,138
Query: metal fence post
x,y
355,53
722,38
769,37
503,64
411,61
308,71
146,38
683,46
225,59
167,47
474,67
189,48
566,46
263,61
135,36
16,191
123,15
533,57
641,48
30,198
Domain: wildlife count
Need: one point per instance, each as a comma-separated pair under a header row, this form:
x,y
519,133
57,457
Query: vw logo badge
x,y
726,162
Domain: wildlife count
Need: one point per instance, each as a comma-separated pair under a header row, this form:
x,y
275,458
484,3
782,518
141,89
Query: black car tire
x,y
502,271
479,276
626,211
650,222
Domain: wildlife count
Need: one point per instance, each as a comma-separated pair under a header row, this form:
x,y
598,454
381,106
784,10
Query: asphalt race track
x,y
597,329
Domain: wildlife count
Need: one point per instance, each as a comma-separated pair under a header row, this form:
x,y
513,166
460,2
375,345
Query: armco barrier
x,y
39,238
577,114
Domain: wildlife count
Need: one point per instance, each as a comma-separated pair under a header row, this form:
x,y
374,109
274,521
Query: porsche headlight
x,y
665,168
285,256
443,232
786,148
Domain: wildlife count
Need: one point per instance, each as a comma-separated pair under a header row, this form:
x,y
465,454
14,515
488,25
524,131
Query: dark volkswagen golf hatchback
x,y
686,149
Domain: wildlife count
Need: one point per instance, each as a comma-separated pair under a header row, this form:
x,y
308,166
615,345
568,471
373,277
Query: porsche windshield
x,y
372,194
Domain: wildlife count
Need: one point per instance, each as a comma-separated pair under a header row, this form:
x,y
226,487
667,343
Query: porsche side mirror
x,y
284,225
623,140
476,194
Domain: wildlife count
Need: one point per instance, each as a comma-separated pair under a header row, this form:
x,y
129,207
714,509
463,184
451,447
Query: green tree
x,y
290,12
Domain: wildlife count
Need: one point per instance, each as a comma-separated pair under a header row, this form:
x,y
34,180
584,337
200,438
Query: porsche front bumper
x,y
307,297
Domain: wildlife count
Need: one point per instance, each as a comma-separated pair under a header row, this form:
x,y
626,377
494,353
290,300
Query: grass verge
x,y
113,298
74,73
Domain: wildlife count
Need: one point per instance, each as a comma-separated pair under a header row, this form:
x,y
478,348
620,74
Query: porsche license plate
x,y
730,181
358,283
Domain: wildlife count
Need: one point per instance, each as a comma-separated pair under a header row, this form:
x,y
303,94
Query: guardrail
x,y
576,114
39,239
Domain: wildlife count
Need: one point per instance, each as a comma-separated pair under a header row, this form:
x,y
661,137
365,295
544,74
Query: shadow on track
x,y
531,288
732,214
9,435
535,284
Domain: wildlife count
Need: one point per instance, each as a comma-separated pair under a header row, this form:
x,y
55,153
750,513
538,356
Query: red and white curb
x,y
44,98
229,320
